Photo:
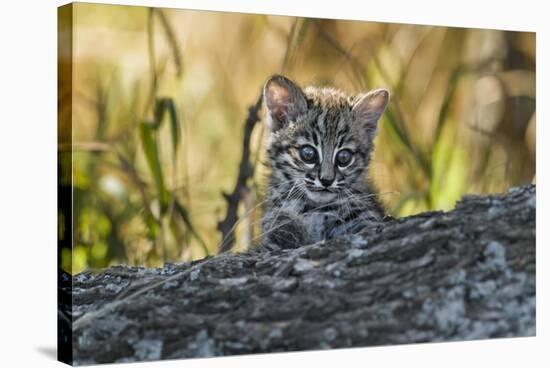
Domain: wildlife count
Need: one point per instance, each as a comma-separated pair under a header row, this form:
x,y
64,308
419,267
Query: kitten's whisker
x,y
300,195
280,208
282,183
297,196
245,215
349,210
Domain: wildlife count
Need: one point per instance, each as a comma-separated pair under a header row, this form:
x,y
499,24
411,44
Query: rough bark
x,y
460,275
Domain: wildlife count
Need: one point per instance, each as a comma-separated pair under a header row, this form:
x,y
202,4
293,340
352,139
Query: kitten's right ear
x,y
285,101
369,107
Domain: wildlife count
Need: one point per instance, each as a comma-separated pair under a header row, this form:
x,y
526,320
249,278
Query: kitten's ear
x,y
369,107
285,101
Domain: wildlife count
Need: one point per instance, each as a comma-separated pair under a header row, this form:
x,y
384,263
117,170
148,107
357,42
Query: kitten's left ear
x,y
285,102
369,107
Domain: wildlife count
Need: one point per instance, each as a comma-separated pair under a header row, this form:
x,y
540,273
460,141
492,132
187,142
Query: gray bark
x,y
461,275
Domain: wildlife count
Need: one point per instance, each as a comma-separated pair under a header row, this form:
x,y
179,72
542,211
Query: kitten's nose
x,y
326,181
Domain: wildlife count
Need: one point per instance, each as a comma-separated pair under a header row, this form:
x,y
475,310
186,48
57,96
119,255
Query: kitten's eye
x,y
343,157
308,154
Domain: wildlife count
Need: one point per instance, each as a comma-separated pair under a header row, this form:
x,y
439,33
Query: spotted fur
x,y
311,201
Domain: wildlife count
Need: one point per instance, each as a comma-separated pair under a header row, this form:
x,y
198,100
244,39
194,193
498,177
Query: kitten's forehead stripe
x,y
344,130
315,138
321,122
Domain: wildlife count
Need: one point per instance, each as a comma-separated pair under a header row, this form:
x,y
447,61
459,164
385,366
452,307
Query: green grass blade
x,y
150,149
184,214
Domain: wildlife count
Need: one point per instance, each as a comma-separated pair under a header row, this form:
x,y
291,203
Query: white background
x,y
28,214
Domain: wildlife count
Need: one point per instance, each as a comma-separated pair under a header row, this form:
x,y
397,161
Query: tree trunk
x,y
460,275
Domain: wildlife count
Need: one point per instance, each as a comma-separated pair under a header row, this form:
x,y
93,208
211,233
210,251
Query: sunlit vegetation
x,y
160,99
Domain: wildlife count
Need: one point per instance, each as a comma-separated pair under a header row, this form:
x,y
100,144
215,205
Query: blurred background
x,y
164,103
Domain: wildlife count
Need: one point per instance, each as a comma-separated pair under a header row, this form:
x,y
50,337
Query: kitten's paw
x,y
356,226
287,233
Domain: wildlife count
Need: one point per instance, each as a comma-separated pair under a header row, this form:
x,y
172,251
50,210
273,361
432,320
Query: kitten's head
x,y
320,139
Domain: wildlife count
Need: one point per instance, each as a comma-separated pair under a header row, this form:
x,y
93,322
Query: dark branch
x,y
246,171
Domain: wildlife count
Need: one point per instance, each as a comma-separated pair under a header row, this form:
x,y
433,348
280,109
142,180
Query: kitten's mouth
x,y
320,195
321,190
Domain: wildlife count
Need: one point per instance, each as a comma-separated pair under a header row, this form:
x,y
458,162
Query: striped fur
x,y
308,202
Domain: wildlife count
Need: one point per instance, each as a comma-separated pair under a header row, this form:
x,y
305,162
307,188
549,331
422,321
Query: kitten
x,y
318,146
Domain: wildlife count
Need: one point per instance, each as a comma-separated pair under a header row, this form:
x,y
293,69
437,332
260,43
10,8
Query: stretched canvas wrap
x,y
248,183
